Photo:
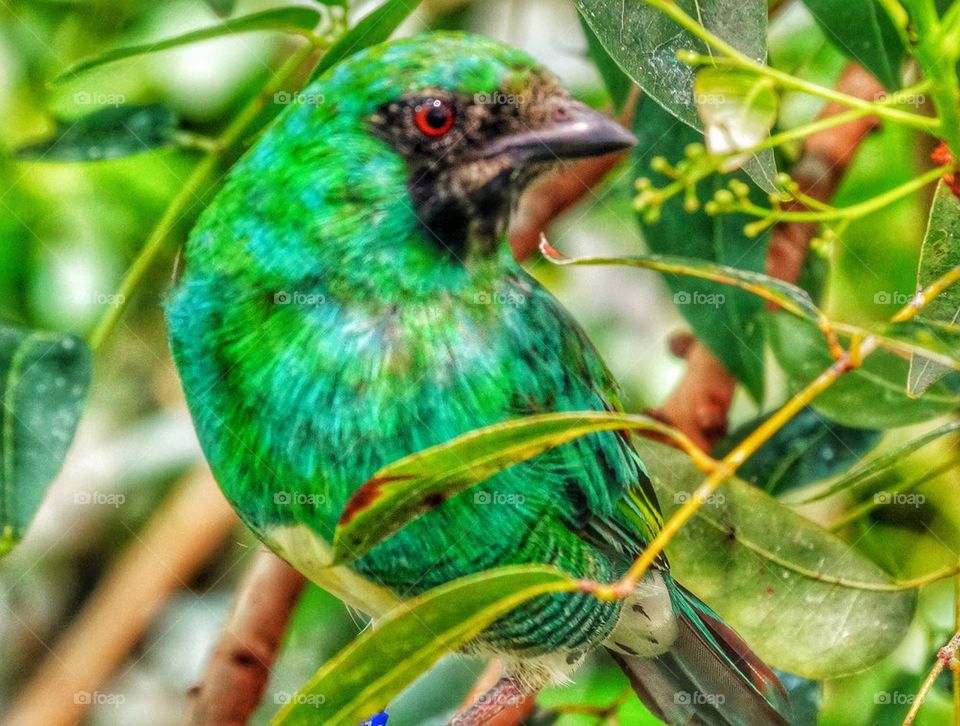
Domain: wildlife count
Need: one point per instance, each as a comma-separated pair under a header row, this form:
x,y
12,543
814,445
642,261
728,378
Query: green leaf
x,y
738,110
420,482
363,677
806,601
783,294
872,396
863,32
44,379
221,7
644,43
291,19
940,253
809,448
374,28
110,133
867,470
617,82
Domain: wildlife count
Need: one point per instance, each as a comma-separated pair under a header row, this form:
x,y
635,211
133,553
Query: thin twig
x,y
946,657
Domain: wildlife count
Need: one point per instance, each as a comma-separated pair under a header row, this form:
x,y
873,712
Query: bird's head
x,y
407,156
475,121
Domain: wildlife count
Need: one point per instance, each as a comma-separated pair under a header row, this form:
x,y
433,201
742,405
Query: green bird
x,y
348,298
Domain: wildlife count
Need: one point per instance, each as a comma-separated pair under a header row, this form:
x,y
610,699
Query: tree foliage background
x,y
92,159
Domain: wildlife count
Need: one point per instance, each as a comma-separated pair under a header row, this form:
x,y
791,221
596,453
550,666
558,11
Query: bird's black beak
x,y
581,132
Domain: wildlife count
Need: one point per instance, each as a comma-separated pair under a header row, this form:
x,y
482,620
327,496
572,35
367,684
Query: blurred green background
x,y
68,232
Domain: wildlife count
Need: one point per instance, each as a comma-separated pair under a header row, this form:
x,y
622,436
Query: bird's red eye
x,y
433,117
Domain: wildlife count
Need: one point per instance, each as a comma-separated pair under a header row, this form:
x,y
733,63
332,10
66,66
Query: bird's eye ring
x,y
433,117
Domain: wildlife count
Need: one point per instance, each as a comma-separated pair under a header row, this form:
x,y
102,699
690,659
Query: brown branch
x,y
237,674
176,543
700,405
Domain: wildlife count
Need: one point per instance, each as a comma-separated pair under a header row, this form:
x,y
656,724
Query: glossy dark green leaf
x,y
808,449
374,28
617,82
872,396
872,468
862,31
44,380
292,19
418,483
805,600
940,254
110,133
644,42
366,675
726,320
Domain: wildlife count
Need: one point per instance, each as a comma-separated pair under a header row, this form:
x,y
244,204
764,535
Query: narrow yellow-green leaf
x,y
294,19
366,675
789,297
412,486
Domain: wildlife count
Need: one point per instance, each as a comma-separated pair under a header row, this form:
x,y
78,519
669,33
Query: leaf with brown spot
x,y
410,487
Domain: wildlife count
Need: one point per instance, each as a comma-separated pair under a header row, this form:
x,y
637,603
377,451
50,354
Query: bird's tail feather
x,y
710,677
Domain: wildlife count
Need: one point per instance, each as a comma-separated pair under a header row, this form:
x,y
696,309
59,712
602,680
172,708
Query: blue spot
x,y
379,719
